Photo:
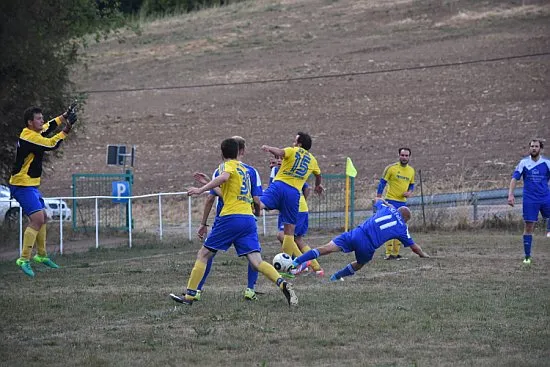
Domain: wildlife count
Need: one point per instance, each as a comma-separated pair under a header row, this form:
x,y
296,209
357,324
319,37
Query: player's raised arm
x,y
224,176
277,152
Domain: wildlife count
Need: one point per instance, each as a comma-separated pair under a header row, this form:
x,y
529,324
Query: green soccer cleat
x,y
197,296
25,265
287,275
250,295
46,261
527,260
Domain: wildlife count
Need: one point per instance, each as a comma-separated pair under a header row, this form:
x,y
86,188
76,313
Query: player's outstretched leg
x,y
269,271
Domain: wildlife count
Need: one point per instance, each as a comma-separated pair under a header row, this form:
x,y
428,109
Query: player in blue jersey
x,y
256,187
535,171
235,226
283,193
386,224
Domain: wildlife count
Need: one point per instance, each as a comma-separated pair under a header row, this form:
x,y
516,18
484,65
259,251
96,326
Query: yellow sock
x,y
41,241
290,247
314,263
389,247
396,247
269,271
196,275
29,238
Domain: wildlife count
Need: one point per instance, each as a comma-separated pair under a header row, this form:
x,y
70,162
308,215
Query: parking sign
x,y
121,189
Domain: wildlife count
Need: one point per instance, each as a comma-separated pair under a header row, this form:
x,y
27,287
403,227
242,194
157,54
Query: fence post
x,y
130,222
160,216
60,221
475,204
21,232
190,219
96,224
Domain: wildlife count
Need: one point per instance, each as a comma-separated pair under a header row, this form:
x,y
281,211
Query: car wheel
x,y
11,220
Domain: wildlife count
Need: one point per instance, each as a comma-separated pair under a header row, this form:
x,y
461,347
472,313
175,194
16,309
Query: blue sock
x,y
344,272
527,241
548,225
309,255
206,272
252,276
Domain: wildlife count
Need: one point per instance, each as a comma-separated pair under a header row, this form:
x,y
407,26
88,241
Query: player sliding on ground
x,y
386,224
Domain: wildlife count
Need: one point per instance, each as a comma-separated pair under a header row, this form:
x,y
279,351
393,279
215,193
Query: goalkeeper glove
x,y
71,118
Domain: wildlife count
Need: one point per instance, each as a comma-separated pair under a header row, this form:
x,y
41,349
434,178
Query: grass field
x,y
472,304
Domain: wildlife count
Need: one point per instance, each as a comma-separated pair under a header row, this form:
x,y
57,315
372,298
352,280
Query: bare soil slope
x,y
467,125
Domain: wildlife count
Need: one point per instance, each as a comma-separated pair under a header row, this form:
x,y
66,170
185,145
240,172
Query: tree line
x,y
40,41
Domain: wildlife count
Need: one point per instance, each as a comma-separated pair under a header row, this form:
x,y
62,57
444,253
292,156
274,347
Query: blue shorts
x,y
302,224
356,241
238,230
284,198
531,211
397,204
29,198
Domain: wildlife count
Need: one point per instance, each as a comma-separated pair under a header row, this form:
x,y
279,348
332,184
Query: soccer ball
x,y
282,262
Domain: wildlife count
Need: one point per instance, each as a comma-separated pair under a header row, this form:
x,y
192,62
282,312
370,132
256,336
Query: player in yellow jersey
x,y
301,229
283,193
33,142
235,225
399,177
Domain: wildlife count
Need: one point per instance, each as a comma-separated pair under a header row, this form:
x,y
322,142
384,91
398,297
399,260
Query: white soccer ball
x,y
282,262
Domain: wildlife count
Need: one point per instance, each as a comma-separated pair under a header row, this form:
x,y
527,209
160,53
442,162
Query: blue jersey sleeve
x,y
406,239
255,181
274,171
381,186
214,175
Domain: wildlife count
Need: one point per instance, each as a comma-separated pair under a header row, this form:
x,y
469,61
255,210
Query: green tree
x,y
40,40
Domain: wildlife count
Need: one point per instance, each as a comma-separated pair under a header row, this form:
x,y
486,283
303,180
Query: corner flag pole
x,y
350,172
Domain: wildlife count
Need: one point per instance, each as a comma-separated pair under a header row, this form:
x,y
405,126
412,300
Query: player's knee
x,y
37,219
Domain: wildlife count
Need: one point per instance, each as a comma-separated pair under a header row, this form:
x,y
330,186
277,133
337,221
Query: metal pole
x,y
263,219
190,224
20,231
60,224
130,222
160,216
422,199
96,225
474,203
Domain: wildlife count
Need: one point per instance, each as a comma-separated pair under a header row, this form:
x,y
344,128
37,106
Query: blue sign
x,y
121,189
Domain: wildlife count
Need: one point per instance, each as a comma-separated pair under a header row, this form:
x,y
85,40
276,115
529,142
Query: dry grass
x,y
473,303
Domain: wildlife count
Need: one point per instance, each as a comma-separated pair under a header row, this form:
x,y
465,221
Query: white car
x,y
9,208
56,209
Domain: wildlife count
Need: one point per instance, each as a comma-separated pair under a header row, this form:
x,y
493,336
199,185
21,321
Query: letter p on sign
x,y
121,189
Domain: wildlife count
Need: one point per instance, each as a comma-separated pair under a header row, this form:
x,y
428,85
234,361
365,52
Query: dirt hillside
x,y
467,125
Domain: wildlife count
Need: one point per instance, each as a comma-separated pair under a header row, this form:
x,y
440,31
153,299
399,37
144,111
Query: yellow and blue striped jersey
x,y
399,178
30,152
297,165
236,191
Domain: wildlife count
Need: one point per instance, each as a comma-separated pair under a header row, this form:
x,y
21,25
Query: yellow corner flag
x,y
350,169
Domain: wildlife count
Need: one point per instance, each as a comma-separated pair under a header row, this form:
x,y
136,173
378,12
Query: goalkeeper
x,y
34,141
